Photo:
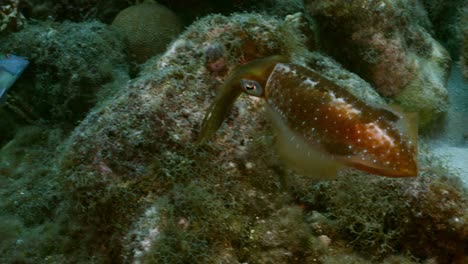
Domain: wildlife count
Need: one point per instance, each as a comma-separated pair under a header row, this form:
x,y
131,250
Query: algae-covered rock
x,y
72,66
200,8
11,18
387,43
72,10
148,29
142,142
425,217
132,168
130,185
447,24
30,196
426,94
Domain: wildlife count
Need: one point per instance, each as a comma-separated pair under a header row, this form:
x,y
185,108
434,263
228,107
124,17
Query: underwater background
x,y
102,104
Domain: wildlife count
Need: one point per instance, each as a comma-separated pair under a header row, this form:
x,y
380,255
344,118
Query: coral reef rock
x,y
72,66
11,18
384,42
148,29
141,144
73,10
447,17
143,190
200,8
426,93
129,184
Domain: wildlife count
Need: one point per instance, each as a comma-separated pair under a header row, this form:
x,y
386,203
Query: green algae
x,y
71,63
30,196
423,216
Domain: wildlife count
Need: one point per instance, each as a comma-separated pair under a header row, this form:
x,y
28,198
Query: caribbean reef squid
x,y
320,126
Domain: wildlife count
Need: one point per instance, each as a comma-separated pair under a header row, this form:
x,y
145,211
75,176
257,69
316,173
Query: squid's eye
x,y
251,87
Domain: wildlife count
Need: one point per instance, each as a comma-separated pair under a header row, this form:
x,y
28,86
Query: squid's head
x,y
250,78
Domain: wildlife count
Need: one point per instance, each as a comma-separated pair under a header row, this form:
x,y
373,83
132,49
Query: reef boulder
x,y
387,44
141,143
148,29
72,65
130,185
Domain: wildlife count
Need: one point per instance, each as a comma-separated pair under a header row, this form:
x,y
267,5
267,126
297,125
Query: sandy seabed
x,y
450,143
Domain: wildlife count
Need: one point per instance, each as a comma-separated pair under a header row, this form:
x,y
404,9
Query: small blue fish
x,y
11,67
